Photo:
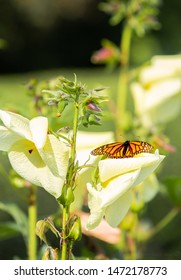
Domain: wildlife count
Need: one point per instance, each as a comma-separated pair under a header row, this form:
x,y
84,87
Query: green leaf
x,y
62,105
9,230
42,227
51,254
94,120
18,215
173,188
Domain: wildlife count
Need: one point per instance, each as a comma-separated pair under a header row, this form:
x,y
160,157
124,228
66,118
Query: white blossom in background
x,y
157,93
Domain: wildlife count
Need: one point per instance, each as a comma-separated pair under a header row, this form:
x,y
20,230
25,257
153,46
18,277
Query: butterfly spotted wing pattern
x,y
123,149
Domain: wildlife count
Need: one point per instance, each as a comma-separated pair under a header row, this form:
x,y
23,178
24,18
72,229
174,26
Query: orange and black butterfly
x,y
123,149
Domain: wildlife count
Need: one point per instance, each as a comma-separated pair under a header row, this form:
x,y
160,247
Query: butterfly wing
x,y
112,150
140,147
123,150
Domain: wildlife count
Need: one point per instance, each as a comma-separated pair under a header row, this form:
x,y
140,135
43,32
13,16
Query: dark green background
x,y
59,33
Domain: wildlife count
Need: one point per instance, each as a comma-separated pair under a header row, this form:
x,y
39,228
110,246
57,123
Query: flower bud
x,y
75,232
92,106
67,196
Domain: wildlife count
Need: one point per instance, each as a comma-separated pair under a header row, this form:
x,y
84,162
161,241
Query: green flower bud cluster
x,y
88,102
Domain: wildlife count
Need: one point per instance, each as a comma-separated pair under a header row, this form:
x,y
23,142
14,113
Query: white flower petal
x,y
88,140
27,162
7,138
112,197
94,205
162,67
151,187
34,154
148,188
153,74
16,123
94,219
116,211
51,183
162,92
117,187
39,130
101,200
110,168
147,169
112,236
94,198
170,61
157,92
55,154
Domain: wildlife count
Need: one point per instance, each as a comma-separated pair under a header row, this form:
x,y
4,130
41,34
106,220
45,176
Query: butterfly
x,y
123,149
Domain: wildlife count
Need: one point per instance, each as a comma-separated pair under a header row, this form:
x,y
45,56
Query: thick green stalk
x,y
65,214
123,81
70,183
32,219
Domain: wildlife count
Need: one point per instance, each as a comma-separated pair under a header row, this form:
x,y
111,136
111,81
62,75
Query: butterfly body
x,y
123,149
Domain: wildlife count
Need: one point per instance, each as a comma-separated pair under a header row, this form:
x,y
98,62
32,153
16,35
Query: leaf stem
x,y
164,222
32,219
161,225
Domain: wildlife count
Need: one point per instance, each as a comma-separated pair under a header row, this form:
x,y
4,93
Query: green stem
x,y
32,219
132,248
123,80
65,253
162,224
75,128
125,44
165,221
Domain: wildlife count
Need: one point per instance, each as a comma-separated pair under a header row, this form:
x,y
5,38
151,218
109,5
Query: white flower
x,y
113,195
86,142
34,154
157,94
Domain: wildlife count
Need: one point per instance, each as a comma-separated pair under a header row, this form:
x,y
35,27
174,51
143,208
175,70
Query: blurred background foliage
x,y
48,34
47,38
